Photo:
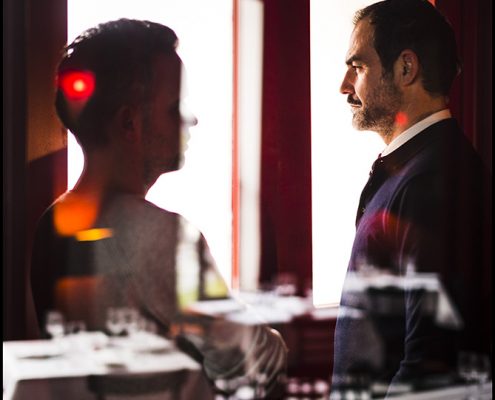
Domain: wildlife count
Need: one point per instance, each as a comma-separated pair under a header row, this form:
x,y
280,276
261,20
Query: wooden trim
x,y
235,151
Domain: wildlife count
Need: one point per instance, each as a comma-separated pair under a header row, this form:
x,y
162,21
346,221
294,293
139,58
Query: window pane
x,y
341,156
201,191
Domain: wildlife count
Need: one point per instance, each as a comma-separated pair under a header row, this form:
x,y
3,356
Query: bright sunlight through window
x,y
341,156
201,191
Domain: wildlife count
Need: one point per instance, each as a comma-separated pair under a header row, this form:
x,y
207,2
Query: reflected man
x,y
119,92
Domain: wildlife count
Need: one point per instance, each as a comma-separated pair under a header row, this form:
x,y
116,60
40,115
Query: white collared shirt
x,y
415,129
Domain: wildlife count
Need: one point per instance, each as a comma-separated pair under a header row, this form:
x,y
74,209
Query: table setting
x,y
65,360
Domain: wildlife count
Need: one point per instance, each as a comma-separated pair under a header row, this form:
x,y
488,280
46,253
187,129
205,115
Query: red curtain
x,y
471,95
286,143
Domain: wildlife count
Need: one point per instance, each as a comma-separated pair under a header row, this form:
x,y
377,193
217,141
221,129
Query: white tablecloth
x,y
58,369
461,392
255,308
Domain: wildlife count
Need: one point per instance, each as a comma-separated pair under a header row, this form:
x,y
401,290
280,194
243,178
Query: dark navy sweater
x,y
426,208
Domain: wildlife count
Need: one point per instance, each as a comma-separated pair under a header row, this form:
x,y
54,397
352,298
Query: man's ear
x,y
407,67
129,122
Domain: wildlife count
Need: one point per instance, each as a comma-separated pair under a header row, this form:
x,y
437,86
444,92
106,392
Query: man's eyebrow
x,y
355,57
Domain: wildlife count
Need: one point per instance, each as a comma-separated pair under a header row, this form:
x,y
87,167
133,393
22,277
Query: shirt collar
x,y
415,129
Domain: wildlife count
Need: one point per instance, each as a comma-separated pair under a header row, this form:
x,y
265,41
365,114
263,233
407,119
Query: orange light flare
x,y
74,213
91,235
401,118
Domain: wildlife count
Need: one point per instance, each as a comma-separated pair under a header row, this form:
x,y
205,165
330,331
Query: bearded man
x,y
424,214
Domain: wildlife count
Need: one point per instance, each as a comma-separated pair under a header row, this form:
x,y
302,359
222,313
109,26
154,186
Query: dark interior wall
x,y
471,95
34,151
14,166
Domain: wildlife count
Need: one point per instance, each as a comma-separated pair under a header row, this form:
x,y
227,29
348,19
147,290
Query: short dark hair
x,y
119,55
419,26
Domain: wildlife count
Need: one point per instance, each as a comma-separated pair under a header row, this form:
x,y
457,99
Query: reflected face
x,y
374,98
164,128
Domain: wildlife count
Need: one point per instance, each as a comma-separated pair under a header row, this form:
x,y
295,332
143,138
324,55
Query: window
x,y
341,156
201,191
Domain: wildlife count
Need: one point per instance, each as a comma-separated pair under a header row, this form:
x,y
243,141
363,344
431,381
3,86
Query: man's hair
x,y
419,26
119,56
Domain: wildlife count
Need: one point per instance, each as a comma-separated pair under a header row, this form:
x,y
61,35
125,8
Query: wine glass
x,y
466,365
115,322
131,320
481,371
54,324
286,284
474,368
75,327
483,368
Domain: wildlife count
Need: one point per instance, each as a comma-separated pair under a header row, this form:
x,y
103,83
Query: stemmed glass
x,y
474,368
482,370
54,324
75,327
131,320
115,321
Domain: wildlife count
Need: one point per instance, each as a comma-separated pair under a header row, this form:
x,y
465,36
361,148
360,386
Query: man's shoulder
x,y
72,213
130,213
140,206
453,153
443,147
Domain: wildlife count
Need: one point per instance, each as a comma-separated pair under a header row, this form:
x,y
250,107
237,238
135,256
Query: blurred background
x,y
274,169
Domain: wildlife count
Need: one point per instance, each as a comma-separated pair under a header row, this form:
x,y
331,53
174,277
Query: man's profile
x,y
424,212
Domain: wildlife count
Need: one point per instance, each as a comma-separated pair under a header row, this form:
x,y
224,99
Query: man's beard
x,y
380,112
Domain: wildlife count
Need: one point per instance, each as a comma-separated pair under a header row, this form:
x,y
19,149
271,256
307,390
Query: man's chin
x,y
358,124
362,122
180,162
151,178
176,165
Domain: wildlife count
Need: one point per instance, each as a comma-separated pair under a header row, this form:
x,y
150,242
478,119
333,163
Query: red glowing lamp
x,y
77,85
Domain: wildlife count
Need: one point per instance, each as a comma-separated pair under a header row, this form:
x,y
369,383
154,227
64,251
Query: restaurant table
x,y
60,368
254,308
306,329
286,313
474,391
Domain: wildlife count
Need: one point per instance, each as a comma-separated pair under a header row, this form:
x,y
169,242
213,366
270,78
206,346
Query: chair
x,y
312,347
127,385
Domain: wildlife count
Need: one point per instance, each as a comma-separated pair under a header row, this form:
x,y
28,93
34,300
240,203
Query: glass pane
x,y
201,191
341,156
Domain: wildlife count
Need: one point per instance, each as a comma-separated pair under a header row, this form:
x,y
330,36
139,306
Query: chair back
x,y
127,385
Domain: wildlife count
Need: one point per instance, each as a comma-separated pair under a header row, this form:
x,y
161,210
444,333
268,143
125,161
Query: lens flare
x,y
401,118
74,214
77,85
91,235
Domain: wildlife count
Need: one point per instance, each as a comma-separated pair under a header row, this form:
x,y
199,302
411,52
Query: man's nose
x,y
189,120
346,86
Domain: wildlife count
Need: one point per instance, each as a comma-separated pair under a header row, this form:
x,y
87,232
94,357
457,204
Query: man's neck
x,y
103,175
413,112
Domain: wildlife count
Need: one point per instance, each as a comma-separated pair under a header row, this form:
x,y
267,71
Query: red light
x,y
77,85
401,118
